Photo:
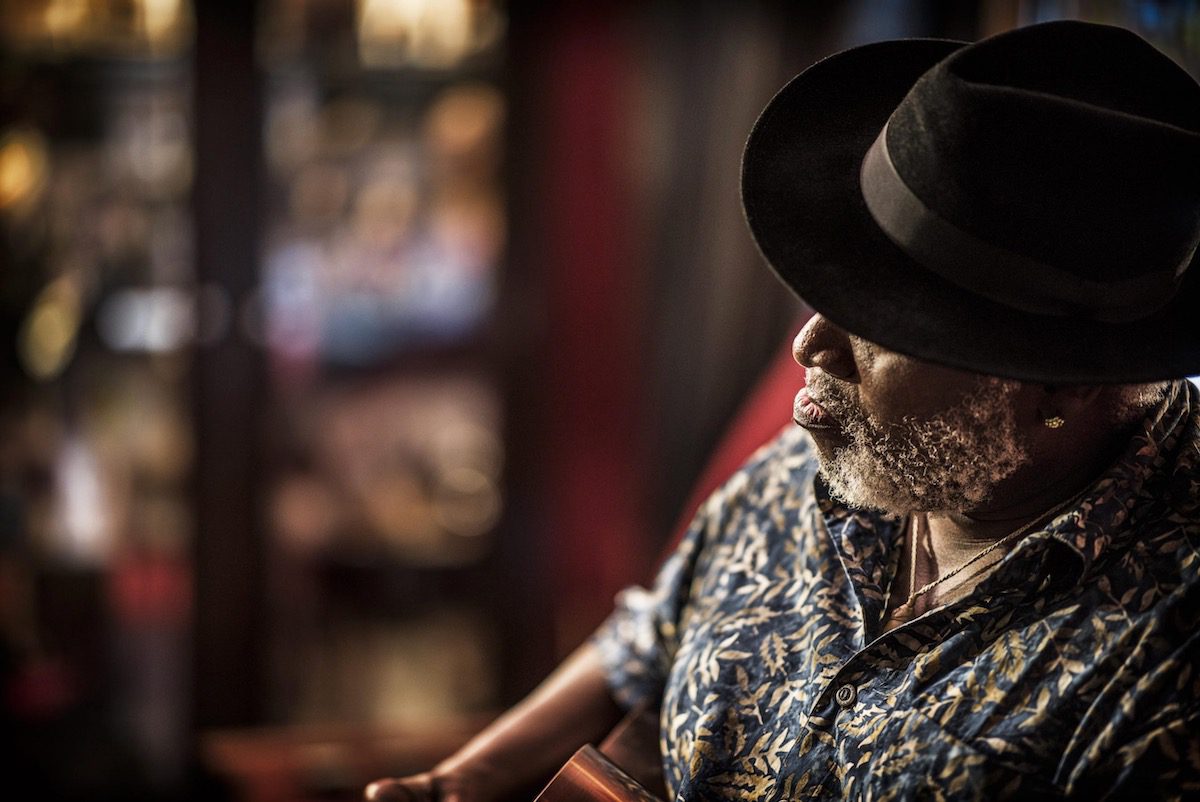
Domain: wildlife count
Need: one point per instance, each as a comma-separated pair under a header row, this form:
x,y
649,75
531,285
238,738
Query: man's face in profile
x,y
902,435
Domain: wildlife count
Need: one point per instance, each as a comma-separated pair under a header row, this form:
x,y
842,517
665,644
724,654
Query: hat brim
x,y
801,195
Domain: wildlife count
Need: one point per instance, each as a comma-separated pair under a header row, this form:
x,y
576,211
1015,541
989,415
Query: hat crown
x,y
1031,141
1022,206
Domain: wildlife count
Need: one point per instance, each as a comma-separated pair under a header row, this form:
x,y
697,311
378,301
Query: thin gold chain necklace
x,y
1011,536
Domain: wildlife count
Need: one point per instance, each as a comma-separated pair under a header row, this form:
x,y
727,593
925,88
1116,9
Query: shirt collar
x,y
1148,471
1090,527
863,540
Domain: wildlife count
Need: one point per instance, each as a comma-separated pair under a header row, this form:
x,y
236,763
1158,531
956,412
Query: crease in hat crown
x,y
1009,172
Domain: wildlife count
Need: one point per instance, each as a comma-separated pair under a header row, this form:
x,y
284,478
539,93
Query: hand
x,y
446,783
419,788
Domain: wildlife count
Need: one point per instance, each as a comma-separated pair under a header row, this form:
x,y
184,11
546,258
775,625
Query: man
x,y
973,570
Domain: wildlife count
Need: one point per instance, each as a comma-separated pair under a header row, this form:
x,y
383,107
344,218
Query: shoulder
x,y
1145,517
767,502
780,471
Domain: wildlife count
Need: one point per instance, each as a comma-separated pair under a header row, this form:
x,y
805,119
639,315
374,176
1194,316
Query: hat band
x,y
994,272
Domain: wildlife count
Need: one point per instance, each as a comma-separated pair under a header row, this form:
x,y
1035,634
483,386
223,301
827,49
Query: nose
x,y
821,344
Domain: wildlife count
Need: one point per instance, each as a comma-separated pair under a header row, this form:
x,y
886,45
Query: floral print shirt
x,y
1070,670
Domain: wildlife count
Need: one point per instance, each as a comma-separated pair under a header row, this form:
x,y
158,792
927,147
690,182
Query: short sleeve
x,y
638,640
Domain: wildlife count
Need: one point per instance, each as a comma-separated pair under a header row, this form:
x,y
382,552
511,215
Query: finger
x,y
449,789
411,789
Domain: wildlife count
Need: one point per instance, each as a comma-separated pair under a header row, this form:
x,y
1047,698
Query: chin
x,y
863,485
855,487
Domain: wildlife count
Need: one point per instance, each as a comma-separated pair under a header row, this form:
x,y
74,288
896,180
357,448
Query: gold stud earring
x,y
1053,422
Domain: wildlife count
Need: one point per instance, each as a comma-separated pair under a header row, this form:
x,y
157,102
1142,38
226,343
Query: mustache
x,y
834,396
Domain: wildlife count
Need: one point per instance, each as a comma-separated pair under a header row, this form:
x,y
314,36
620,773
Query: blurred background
x,y
356,352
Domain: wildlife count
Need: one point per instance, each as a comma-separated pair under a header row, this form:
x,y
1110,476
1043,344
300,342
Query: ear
x,y
1058,405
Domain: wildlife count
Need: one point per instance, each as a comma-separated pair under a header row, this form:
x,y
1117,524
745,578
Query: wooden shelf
x,y
328,761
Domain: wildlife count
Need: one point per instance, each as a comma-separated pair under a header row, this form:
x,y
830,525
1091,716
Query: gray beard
x,y
950,462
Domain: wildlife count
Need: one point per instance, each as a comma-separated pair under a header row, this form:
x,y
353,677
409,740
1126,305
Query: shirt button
x,y
846,695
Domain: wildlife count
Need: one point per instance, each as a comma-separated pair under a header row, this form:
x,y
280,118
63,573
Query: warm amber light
x,y
23,167
160,18
63,17
47,338
429,33
100,27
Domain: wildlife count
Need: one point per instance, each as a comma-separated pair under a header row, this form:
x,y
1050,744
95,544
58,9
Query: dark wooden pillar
x,y
229,645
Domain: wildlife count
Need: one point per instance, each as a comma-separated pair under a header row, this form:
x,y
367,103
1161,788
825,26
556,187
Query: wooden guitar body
x,y
626,768
591,777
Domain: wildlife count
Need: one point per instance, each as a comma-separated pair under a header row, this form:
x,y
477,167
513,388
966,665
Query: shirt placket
x,y
867,547
849,687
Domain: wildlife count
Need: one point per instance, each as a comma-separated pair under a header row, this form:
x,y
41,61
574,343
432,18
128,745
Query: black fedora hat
x,y
1024,206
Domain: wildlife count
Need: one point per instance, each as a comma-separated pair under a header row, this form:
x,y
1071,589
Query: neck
x,y
1050,480
978,528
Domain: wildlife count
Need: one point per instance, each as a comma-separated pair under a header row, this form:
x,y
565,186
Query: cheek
x,y
1026,412
889,391
901,389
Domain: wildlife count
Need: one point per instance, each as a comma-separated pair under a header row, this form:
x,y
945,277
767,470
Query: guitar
x,y
593,775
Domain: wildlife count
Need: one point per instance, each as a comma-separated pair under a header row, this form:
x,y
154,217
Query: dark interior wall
x,y
640,312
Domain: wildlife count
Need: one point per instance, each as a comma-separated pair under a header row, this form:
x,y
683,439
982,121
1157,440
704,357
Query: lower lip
x,y
808,414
